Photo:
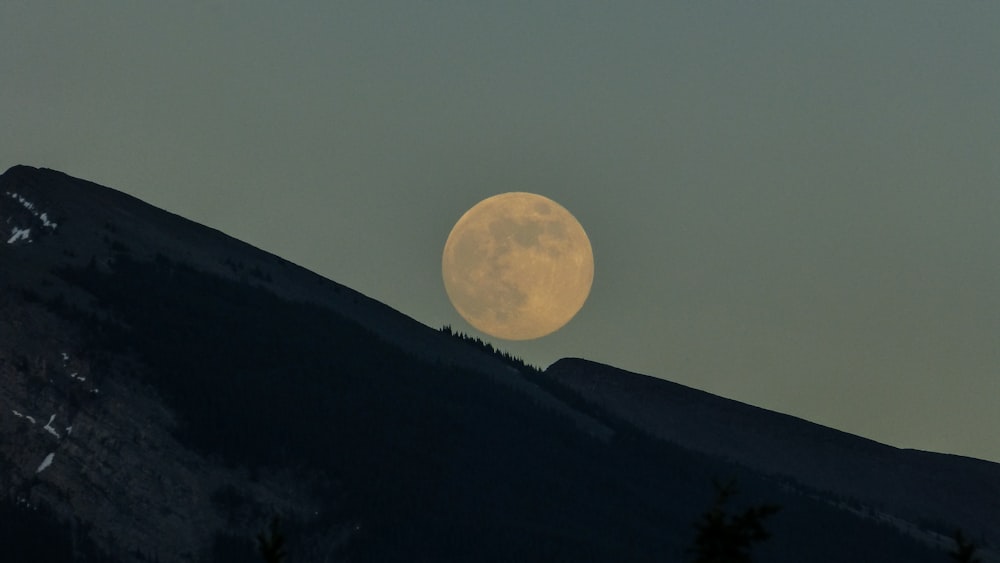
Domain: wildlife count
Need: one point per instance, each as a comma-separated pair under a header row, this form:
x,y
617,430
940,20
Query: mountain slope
x,y
914,486
165,389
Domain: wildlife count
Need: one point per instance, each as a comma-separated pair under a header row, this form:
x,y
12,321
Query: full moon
x,y
517,266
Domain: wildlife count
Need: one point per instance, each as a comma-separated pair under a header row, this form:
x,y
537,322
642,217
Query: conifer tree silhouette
x,y
272,545
727,538
965,550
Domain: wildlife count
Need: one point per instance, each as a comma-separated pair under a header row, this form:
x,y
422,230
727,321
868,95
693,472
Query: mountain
x,y
910,487
165,390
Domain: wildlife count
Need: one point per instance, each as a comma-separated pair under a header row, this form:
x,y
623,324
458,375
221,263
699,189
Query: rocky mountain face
x,y
165,390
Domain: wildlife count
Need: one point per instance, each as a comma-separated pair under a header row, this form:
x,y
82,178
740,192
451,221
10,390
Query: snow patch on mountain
x,y
19,233
45,462
24,416
41,215
48,427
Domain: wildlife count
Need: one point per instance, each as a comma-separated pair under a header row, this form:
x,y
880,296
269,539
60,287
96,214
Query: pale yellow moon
x,y
517,266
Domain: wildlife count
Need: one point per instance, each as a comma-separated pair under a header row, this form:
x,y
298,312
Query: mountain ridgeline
x,y
166,391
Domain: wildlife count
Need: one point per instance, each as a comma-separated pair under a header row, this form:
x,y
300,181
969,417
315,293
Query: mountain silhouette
x,y
167,391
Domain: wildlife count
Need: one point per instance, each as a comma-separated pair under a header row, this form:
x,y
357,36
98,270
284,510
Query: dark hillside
x,y
430,456
936,492
422,458
195,386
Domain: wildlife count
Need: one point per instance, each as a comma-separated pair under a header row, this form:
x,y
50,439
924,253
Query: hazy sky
x,y
794,204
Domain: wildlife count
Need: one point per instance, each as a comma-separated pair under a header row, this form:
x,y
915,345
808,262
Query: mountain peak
x,y
166,389
25,220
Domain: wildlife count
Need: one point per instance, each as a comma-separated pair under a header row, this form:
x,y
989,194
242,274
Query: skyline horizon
x,y
499,344
797,206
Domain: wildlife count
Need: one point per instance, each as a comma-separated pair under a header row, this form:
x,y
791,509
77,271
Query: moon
x,y
517,266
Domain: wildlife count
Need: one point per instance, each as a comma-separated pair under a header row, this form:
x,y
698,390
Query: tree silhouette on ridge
x,y
727,538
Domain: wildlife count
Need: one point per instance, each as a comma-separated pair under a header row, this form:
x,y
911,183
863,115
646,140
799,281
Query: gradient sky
x,y
794,204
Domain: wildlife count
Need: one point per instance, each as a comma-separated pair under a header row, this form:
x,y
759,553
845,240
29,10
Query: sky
x,y
792,204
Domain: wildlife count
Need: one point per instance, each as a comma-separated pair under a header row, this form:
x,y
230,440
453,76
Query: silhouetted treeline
x,y
481,344
727,537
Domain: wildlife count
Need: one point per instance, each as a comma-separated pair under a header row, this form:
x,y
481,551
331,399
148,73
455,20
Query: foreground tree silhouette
x,y
965,550
272,545
726,538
